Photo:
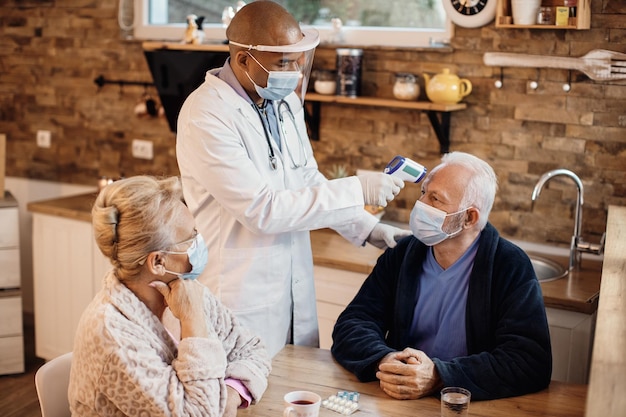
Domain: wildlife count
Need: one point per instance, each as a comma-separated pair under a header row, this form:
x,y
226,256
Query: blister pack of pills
x,y
344,402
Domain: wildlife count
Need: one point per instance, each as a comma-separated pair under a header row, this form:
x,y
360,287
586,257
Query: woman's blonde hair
x,y
129,219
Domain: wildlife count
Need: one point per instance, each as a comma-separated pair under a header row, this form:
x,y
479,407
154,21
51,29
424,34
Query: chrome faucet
x,y
577,244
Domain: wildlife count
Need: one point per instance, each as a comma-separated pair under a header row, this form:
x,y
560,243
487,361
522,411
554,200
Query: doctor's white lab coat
x,y
256,220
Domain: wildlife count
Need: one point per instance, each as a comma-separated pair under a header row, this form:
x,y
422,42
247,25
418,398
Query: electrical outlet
x,y
142,149
44,138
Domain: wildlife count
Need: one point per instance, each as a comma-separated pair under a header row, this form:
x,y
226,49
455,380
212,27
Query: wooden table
x,y
305,368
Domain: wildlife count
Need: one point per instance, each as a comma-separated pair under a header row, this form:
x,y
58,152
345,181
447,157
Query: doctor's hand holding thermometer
x,y
400,169
379,188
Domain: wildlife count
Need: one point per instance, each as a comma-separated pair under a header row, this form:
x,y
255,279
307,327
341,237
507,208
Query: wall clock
x,y
470,13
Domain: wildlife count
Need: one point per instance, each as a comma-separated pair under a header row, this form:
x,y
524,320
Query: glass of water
x,y
455,402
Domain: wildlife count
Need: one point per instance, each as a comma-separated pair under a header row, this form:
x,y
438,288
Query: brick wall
x,y
51,52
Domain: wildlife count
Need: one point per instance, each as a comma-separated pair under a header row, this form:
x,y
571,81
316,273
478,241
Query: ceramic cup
x,y
525,11
302,404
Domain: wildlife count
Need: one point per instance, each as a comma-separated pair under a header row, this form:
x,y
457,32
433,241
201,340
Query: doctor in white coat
x,y
251,180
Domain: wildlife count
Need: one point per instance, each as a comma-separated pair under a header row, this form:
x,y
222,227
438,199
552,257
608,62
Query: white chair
x,y
51,381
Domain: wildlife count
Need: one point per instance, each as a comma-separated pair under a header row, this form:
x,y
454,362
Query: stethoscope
x,y
282,109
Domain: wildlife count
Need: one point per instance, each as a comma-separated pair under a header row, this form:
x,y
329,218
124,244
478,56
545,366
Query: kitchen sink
x,y
546,269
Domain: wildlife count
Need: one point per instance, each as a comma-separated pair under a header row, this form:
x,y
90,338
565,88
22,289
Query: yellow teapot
x,y
446,88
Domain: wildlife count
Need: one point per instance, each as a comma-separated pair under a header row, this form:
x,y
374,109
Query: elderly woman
x,y
125,361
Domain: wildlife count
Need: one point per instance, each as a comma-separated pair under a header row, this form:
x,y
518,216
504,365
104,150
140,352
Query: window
x,y
403,23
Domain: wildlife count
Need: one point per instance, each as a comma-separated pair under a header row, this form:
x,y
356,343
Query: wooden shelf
x,y
582,21
514,26
179,46
385,102
438,114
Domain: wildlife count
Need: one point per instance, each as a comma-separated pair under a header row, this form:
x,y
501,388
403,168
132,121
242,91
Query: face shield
x,y
288,66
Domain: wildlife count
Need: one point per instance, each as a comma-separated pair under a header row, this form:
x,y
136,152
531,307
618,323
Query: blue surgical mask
x,y
426,223
279,83
198,258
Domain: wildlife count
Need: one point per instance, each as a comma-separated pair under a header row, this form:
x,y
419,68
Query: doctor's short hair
x,y
481,187
130,218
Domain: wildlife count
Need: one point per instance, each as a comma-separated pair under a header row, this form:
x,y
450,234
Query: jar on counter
x,y
545,16
325,81
349,67
406,87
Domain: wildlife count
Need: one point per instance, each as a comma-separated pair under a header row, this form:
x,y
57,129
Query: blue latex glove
x,y
384,236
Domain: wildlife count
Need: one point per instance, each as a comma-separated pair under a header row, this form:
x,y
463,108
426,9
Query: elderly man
x,y
453,305
252,183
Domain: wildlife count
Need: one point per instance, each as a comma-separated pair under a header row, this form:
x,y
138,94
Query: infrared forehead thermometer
x,y
405,169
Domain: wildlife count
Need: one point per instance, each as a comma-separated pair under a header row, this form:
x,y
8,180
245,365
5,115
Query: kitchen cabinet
x,y
582,20
571,335
9,243
334,289
11,333
11,330
68,269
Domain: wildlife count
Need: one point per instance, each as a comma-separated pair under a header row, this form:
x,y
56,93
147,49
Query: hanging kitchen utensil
x,y
599,64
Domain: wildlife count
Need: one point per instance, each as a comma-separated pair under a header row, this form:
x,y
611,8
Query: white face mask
x,y
279,83
198,256
426,223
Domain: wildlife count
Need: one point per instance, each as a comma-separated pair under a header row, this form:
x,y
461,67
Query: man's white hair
x,y
481,187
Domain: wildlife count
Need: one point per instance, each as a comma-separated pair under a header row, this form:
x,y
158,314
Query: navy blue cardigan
x,y
508,340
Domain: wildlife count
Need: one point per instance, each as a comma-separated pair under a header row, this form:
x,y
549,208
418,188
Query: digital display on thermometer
x,y
405,169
